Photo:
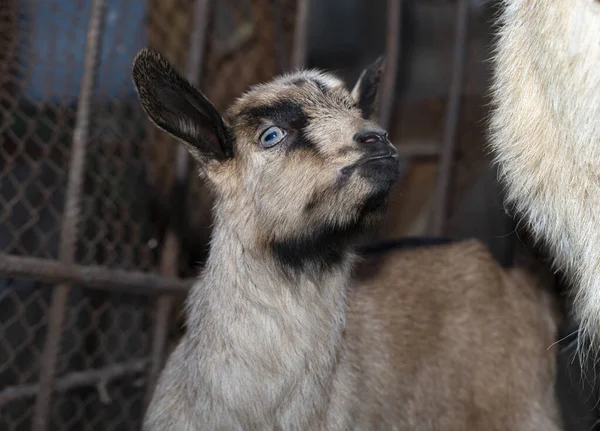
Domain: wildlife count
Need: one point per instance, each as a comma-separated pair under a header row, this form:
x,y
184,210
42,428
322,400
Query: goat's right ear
x,y
366,90
178,108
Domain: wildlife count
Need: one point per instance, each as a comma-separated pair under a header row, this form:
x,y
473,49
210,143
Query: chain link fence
x,y
103,222
98,375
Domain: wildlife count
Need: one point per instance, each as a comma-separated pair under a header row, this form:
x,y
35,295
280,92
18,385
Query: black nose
x,y
370,136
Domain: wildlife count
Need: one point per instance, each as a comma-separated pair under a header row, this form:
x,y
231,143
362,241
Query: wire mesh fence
x,y
94,246
107,342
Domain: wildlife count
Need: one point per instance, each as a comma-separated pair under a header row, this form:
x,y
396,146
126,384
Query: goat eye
x,y
272,136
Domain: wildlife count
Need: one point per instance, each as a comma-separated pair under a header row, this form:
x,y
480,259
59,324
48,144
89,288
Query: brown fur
x,y
469,341
286,330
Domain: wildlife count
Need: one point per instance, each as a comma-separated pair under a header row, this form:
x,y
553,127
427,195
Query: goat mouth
x,y
369,166
380,168
374,159
382,157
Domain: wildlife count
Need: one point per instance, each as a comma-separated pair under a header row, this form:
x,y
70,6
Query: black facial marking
x,y
286,114
375,202
301,141
345,174
381,173
283,113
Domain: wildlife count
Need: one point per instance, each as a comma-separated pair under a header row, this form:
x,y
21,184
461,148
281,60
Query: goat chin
x,y
545,131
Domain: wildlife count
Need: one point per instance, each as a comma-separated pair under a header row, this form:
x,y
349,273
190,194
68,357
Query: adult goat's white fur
x,y
546,134
286,330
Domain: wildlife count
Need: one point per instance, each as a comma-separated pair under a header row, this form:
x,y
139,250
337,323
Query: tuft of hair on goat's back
x,y
291,325
545,135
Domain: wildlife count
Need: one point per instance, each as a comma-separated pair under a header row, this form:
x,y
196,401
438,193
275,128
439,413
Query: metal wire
x,y
68,237
301,34
170,255
88,235
394,30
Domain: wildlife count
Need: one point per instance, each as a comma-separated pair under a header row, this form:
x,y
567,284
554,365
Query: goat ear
x,y
367,87
178,108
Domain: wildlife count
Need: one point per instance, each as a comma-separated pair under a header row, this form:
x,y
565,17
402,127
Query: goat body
x,y
289,327
545,130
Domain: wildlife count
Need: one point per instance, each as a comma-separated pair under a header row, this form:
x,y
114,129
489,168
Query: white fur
x,y
546,133
252,343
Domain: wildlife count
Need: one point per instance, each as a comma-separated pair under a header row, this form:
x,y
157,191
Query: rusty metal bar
x,y
170,252
452,117
75,380
93,276
301,34
69,228
388,84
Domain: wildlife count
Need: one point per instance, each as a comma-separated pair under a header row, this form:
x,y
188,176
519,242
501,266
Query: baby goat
x,y
546,133
286,330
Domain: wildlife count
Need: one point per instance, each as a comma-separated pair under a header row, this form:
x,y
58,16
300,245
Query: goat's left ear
x,y
178,108
367,87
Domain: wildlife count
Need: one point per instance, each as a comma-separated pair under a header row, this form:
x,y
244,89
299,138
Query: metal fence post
x,y
171,251
69,228
393,32
452,116
300,34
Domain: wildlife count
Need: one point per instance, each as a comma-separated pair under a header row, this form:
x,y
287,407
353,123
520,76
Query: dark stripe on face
x,y
284,113
382,173
287,115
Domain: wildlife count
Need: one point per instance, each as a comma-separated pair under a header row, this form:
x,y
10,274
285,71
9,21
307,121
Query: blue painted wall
x,y
53,47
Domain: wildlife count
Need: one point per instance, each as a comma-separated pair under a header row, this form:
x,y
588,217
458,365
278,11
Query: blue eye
x,y
272,136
